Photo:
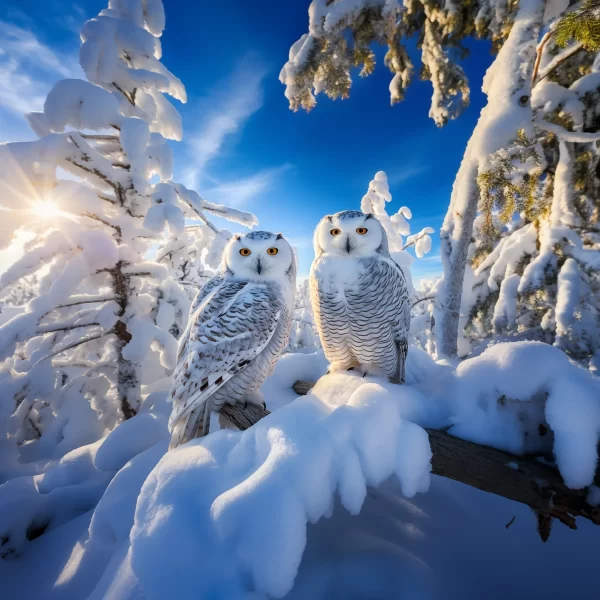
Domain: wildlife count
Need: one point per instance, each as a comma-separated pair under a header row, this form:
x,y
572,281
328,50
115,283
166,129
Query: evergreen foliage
x,y
536,251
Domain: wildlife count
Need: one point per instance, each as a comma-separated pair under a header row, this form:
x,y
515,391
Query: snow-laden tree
x,y
537,254
304,336
396,226
422,320
193,256
95,192
341,35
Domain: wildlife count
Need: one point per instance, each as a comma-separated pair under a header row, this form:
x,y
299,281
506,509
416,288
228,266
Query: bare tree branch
x,y
538,58
74,345
43,329
558,60
422,300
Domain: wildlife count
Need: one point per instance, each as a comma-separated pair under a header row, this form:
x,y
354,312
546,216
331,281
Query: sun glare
x,y
45,209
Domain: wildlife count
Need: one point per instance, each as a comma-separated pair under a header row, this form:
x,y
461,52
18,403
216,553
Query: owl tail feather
x,y
400,375
195,424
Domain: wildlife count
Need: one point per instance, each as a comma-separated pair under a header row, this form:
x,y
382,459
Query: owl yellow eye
x,y
335,232
361,230
272,251
245,252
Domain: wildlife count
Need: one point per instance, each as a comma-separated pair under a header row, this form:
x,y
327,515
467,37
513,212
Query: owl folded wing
x,y
231,328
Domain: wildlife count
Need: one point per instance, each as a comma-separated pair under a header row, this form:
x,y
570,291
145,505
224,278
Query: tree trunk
x,y
128,386
508,87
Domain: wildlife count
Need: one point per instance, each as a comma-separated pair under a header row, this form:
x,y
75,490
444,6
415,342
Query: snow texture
x,y
340,439
503,395
242,513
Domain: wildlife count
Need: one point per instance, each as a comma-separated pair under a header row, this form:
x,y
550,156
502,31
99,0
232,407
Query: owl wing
x,y
402,320
230,328
204,291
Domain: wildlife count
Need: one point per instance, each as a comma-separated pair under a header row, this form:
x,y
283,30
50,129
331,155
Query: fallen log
x,y
524,479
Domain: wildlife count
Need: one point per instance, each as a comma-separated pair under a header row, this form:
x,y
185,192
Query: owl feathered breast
x,y
363,319
236,330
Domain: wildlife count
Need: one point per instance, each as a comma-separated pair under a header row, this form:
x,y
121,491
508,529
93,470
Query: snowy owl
x,y
239,324
359,296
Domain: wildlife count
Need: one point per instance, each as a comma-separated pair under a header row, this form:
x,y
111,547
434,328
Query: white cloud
x,y
222,114
240,192
408,172
28,68
226,110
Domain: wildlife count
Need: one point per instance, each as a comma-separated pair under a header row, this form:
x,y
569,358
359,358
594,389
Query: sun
x,y
45,209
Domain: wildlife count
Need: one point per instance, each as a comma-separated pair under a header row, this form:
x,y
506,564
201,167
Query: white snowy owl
x,y
238,327
359,296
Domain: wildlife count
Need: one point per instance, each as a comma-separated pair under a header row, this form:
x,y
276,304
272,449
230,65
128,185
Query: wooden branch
x,y
43,329
538,58
93,300
243,417
422,300
558,60
101,138
73,345
518,478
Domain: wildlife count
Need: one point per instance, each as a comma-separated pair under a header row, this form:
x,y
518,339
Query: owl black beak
x,y
258,267
348,247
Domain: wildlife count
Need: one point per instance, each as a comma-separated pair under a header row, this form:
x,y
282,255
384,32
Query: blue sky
x,y
242,145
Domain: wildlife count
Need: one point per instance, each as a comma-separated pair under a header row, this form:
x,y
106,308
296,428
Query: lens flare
x,y
45,209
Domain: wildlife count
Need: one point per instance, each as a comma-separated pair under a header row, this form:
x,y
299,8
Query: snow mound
x,y
503,396
84,479
236,505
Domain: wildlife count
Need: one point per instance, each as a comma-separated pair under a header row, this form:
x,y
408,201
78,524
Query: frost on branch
x,y
104,319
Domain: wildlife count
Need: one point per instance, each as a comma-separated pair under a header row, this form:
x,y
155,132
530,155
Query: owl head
x,y
350,233
260,256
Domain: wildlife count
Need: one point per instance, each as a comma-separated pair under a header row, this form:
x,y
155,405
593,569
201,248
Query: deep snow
x,y
274,510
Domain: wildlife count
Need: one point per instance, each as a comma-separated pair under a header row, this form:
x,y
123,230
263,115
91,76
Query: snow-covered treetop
x,y
397,226
124,99
341,34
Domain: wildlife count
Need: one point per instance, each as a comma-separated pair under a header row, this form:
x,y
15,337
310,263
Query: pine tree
x,y
95,191
341,35
537,259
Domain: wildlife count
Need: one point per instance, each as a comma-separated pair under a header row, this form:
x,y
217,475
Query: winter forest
x,y
329,330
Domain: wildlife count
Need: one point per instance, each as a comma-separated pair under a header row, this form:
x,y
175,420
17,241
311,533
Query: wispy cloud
x,y
28,68
225,111
239,192
407,172
223,114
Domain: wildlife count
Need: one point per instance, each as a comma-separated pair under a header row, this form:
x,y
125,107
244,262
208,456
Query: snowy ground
x,y
329,497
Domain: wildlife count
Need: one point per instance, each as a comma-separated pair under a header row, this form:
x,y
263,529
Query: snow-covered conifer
x,y
95,191
537,260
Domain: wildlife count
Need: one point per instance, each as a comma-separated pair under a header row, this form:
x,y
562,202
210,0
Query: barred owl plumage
x,y
239,325
359,296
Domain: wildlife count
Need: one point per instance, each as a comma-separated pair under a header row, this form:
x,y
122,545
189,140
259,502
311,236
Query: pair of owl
x,y
240,321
